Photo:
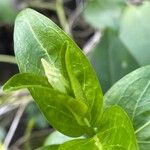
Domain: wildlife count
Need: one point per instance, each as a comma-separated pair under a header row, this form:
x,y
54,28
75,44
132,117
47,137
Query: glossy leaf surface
x,y
37,37
25,80
54,105
115,123
132,93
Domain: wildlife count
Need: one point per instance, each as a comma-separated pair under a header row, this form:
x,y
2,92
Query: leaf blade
x,y
46,40
114,122
132,94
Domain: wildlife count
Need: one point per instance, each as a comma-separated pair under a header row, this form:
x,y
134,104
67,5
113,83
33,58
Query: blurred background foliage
x,y
114,34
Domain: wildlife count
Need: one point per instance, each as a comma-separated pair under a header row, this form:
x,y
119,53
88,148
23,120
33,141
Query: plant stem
x,y
61,16
7,59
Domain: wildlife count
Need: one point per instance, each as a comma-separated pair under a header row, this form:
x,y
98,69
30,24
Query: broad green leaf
x,y
135,32
25,80
7,11
111,59
114,123
37,37
51,147
116,130
54,105
63,112
132,93
104,13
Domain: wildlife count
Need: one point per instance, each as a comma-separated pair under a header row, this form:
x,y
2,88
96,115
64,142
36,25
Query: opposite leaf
x,y
132,93
37,37
115,133
25,80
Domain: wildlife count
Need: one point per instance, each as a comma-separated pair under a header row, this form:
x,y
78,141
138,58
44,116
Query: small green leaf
x,y
111,59
76,87
132,93
55,77
135,32
114,123
104,13
25,80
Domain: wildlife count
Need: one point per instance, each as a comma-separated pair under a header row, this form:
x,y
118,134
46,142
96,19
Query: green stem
x,y
61,16
7,59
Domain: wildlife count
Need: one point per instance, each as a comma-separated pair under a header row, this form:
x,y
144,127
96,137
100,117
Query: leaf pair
x,y
65,87
43,49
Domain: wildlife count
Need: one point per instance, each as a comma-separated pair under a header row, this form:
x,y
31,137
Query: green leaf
x,y
37,37
132,93
63,112
55,77
111,59
51,147
25,80
7,11
114,123
135,32
54,105
104,13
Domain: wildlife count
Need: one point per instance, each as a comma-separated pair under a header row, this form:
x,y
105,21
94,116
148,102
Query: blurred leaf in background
x,y
104,13
135,32
34,113
111,59
122,49
2,133
7,11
